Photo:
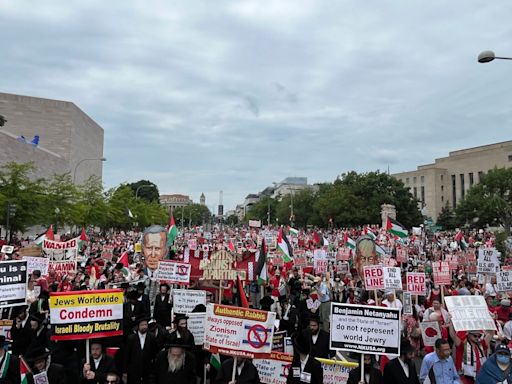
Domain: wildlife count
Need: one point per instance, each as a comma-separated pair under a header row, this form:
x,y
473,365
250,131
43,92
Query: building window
x,y
454,192
442,198
415,192
422,179
442,177
462,185
480,175
509,157
414,180
471,179
423,195
442,188
406,180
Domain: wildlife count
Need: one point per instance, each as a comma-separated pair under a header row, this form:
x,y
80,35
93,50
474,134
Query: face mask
x,y
503,359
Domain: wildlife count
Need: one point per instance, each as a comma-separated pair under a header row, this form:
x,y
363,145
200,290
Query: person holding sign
x,y
41,366
100,364
182,332
245,372
372,375
437,367
471,351
304,369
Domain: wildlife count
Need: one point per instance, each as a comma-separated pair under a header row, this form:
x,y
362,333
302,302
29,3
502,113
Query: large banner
x,y
365,329
173,273
61,250
86,314
238,331
13,283
218,267
185,300
469,313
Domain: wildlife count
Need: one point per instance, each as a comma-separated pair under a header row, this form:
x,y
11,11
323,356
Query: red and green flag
x,y
172,232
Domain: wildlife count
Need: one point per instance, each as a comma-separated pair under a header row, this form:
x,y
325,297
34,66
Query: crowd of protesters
x,y
157,347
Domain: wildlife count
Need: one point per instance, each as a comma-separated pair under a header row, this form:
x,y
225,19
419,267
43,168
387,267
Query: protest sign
x,y
5,328
37,264
173,273
62,267
138,248
392,278
195,325
41,378
504,281
469,313
469,261
107,252
300,262
320,262
416,283
192,244
275,368
185,300
343,267
238,331
7,249
488,260
402,255
441,272
373,277
255,223
407,307
343,254
13,283
30,251
452,261
61,250
278,341
218,267
86,314
365,329
335,373
430,332
288,345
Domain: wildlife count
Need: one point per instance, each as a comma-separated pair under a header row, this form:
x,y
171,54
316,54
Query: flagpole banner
x,y
237,331
488,261
416,283
274,370
365,329
13,283
185,300
86,314
469,313
195,324
173,273
37,264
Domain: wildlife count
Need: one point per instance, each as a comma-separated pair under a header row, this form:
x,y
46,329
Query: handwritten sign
x,y
488,261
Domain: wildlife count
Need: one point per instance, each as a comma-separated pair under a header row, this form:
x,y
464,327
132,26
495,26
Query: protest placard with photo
x,y
430,332
172,272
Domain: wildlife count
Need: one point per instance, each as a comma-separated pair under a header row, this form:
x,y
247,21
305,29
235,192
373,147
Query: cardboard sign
x,y
173,273
441,272
343,254
504,281
86,314
274,369
239,331
365,329
218,267
469,313
195,325
392,278
7,249
37,264
373,277
416,283
407,308
61,250
13,283
430,332
488,261
402,255
185,300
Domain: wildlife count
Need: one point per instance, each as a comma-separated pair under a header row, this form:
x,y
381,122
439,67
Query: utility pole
x,y
291,212
10,213
268,214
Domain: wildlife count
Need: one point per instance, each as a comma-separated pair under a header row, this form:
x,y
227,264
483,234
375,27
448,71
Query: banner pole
x,y
233,374
204,373
220,291
362,367
87,355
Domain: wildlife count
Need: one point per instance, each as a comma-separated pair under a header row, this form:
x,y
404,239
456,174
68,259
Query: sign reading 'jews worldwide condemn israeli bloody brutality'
x,y
86,314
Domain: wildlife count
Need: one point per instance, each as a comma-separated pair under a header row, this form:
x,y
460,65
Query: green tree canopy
x,y
147,190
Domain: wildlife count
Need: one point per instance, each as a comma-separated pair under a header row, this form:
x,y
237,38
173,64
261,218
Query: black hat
x,y
314,317
39,317
282,298
179,317
3,341
202,308
406,347
176,343
267,301
141,318
36,354
165,285
125,285
141,284
132,294
301,344
97,341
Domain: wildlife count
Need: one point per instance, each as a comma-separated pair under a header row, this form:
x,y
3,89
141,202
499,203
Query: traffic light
x,y
11,210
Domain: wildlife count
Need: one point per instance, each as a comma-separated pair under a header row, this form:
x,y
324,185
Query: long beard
x,y
175,364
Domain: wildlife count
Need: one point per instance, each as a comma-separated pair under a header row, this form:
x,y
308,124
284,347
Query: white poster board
x,y
430,332
469,313
185,300
195,325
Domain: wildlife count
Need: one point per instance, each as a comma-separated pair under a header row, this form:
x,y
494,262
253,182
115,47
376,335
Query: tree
x,y
192,214
92,206
60,201
259,210
232,220
147,190
446,218
489,202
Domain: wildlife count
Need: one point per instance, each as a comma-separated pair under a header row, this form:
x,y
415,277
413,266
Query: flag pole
x,y
362,367
87,356
233,373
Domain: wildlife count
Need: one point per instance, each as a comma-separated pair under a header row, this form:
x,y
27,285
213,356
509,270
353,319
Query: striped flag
x,y
369,232
283,245
349,242
293,231
24,370
261,265
48,235
395,228
172,232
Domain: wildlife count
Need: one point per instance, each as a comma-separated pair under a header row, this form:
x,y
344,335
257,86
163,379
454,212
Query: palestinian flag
x,y
242,298
24,370
124,260
293,231
231,246
395,228
45,236
215,361
459,237
379,250
82,239
349,243
172,232
369,232
283,245
261,266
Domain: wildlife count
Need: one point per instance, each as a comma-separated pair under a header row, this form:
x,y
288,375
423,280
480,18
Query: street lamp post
x,y
488,56
81,161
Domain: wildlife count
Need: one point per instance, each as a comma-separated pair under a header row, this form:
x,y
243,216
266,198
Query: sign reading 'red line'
x,y
86,314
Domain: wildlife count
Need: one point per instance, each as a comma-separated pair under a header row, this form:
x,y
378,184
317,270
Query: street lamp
x,y
140,187
81,161
487,56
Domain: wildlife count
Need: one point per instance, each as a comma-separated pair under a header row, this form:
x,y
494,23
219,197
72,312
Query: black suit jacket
x,y
146,305
21,338
394,373
55,373
139,362
13,371
186,375
129,315
105,366
321,347
248,375
162,311
355,375
313,367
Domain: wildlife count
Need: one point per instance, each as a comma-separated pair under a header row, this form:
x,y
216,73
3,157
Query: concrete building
x,y
447,180
66,134
290,185
202,199
172,202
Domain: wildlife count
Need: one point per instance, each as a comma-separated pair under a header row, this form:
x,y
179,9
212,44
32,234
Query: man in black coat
x,y
38,359
144,299
175,365
318,338
402,370
40,333
132,310
372,375
21,332
140,354
9,365
99,365
182,332
304,368
163,307
246,372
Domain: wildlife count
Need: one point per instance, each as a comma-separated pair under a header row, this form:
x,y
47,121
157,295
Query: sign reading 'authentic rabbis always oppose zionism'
x,y
86,314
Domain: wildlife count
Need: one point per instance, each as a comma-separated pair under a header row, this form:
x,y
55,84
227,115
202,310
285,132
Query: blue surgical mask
x,y
503,359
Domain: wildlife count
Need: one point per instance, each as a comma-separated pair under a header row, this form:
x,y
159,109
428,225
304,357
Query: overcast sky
x,y
203,96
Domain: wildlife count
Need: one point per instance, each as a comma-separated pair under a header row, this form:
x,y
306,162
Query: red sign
x,y
453,261
373,277
442,273
343,254
416,283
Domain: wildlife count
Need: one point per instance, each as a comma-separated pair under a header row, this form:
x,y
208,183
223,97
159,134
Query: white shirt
x,y
315,338
507,329
239,368
142,339
97,362
394,304
303,363
405,367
